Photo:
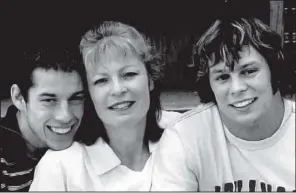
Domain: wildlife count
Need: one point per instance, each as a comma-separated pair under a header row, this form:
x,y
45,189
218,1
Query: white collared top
x,y
93,168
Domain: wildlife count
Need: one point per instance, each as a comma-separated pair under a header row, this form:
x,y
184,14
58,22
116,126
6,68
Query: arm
x,y
49,175
171,170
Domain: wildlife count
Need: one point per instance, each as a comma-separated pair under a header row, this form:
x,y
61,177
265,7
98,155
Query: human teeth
x,y
244,103
60,130
121,106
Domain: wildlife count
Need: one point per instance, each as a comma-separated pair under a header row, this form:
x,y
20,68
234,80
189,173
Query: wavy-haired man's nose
x,y
237,85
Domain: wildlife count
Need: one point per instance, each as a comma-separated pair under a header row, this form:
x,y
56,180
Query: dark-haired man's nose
x,y
63,113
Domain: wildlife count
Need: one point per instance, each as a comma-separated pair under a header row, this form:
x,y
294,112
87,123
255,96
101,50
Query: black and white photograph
x,y
148,95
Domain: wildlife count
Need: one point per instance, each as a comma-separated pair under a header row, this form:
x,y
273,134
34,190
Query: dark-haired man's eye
x,y
49,102
77,99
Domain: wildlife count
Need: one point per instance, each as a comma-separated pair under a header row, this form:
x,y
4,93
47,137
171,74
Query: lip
x,y
61,127
119,103
244,100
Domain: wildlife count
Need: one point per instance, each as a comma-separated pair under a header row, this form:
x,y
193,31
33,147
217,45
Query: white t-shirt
x,y
197,153
93,168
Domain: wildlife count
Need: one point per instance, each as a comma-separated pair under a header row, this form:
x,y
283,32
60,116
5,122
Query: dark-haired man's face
x,y
244,94
54,108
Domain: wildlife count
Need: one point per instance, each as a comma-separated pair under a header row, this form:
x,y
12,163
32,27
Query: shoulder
x,y
167,117
8,140
289,116
290,104
197,123
5,133
11,142
63,157
9,125
8,135
202,114
57,168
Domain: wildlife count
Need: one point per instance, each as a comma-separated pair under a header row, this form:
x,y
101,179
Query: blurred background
x,y
173,27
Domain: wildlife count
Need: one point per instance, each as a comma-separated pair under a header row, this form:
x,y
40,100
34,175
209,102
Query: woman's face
x,y
119,89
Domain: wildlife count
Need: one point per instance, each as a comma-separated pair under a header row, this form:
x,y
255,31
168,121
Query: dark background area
x,y
27,25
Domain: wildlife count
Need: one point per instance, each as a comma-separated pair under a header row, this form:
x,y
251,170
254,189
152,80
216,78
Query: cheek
x,y
141,85
77,110
219,90
261,85
98,97
263,79
38,112
264,84
140,89
145,90
38,119
146,98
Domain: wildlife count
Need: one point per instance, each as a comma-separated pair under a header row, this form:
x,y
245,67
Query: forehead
x,y
57,82
248,55
115,61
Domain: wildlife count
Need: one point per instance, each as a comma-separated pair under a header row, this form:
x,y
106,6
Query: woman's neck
x,y
263,128
128,144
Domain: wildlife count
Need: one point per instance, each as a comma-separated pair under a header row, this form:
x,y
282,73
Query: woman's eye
x,y
101,81
130,74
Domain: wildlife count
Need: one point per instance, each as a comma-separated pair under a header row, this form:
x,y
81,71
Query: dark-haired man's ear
x,y
151,84
17,97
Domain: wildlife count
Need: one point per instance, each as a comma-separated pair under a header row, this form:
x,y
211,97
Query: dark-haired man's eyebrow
x,y
47,95
79,94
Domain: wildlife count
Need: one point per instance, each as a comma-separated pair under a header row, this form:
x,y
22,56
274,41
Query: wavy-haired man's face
x,y
245,94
